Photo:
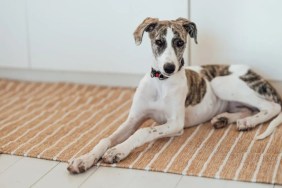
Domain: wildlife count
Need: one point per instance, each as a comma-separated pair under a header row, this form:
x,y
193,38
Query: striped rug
x,y
62,121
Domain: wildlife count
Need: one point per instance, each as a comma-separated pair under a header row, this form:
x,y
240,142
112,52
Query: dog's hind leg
x,y
232,88
227,118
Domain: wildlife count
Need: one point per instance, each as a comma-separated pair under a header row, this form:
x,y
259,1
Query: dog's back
x,y
256,82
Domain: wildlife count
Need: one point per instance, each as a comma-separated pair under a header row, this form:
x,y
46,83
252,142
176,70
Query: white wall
x,y
85,35
96,36
13,34
239,32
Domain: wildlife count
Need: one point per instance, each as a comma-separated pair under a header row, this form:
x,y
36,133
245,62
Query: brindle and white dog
x,y
177,97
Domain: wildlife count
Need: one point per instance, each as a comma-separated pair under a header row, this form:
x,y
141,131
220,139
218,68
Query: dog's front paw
x,y
113,155
81,164
245,124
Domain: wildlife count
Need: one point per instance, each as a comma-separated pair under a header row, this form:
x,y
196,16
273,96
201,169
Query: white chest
x,y
166,100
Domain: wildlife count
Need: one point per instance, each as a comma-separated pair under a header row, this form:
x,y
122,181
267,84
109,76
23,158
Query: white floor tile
x,y
7,161
201,182
25,172
60,177
109,177
128,178
155,180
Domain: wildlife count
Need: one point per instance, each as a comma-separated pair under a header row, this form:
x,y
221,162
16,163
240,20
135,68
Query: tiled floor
x,y
22,172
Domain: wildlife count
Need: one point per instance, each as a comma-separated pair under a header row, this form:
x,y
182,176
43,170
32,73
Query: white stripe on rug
x,y
86,131
76,127
13,115
9,85
43,121
38,133
141,154
254,178
6,105
100,133
182,147
15,91
54,123
246,154
9,109
22,117
158,154
184,172
23,125
59,128
145,150
276,168
214,151
149,146
217,174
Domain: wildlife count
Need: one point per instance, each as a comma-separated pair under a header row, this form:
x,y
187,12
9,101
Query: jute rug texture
x,y
61,121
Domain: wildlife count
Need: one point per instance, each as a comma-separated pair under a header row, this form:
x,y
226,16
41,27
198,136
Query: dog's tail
x,y
273,124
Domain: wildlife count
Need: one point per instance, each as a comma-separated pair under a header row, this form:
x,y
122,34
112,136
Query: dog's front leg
x,y
136,117
84,162
142,136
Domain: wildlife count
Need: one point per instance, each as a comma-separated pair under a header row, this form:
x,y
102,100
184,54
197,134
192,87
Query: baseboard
x,y
109,79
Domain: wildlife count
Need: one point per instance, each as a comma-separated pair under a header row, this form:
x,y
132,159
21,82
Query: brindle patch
x,y
261,86
178,50
196,88
212,71
148,25
160,34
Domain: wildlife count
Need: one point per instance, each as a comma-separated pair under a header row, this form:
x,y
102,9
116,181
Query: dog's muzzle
x,y
158,74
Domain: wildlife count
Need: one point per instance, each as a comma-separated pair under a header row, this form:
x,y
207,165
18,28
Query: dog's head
x,y
168,41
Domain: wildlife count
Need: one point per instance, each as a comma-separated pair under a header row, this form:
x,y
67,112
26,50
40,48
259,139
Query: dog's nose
x,y
169,68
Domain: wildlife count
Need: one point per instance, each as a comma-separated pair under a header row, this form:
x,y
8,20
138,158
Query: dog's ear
x,y
147,25
190,27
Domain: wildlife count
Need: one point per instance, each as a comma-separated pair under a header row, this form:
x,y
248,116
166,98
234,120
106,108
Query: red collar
x,y
157,74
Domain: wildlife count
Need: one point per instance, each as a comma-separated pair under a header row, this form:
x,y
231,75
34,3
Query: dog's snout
x,y
169,68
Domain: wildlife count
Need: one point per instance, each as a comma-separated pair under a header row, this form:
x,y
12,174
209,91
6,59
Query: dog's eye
x,y
179,43
159,43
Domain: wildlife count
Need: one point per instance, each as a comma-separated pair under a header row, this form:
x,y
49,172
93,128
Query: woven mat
x,y
61,121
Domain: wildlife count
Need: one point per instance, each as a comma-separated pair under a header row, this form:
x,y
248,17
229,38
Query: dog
x,y
177,97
